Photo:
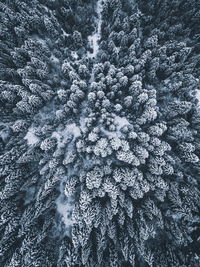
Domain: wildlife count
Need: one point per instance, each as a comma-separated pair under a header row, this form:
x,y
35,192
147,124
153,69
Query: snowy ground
x,y
31,138
65,208
62,135
4,130
96,36
198,96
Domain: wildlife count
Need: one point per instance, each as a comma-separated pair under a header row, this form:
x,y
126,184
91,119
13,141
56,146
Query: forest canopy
x,y
99,133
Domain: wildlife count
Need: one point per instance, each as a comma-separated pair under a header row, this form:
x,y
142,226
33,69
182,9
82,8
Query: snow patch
x,y
83,126
64,33
65,208
63,136
93,41
45,113
121,122
96,36
29,195
74,54
74,129
198,96
4,131
109,134
117,49
31,138
54,59
39,39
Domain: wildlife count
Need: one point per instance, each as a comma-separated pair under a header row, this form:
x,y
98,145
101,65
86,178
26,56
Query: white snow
x,y
4,132
74,129
83,126
198,96
39,39
31,138
63,135
117,49
64,33
45,113
109,134
96,36
29,195
93,40
54,59
74,54
121,122
65,208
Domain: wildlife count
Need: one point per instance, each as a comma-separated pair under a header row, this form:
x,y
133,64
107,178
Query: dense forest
x,y
99,133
